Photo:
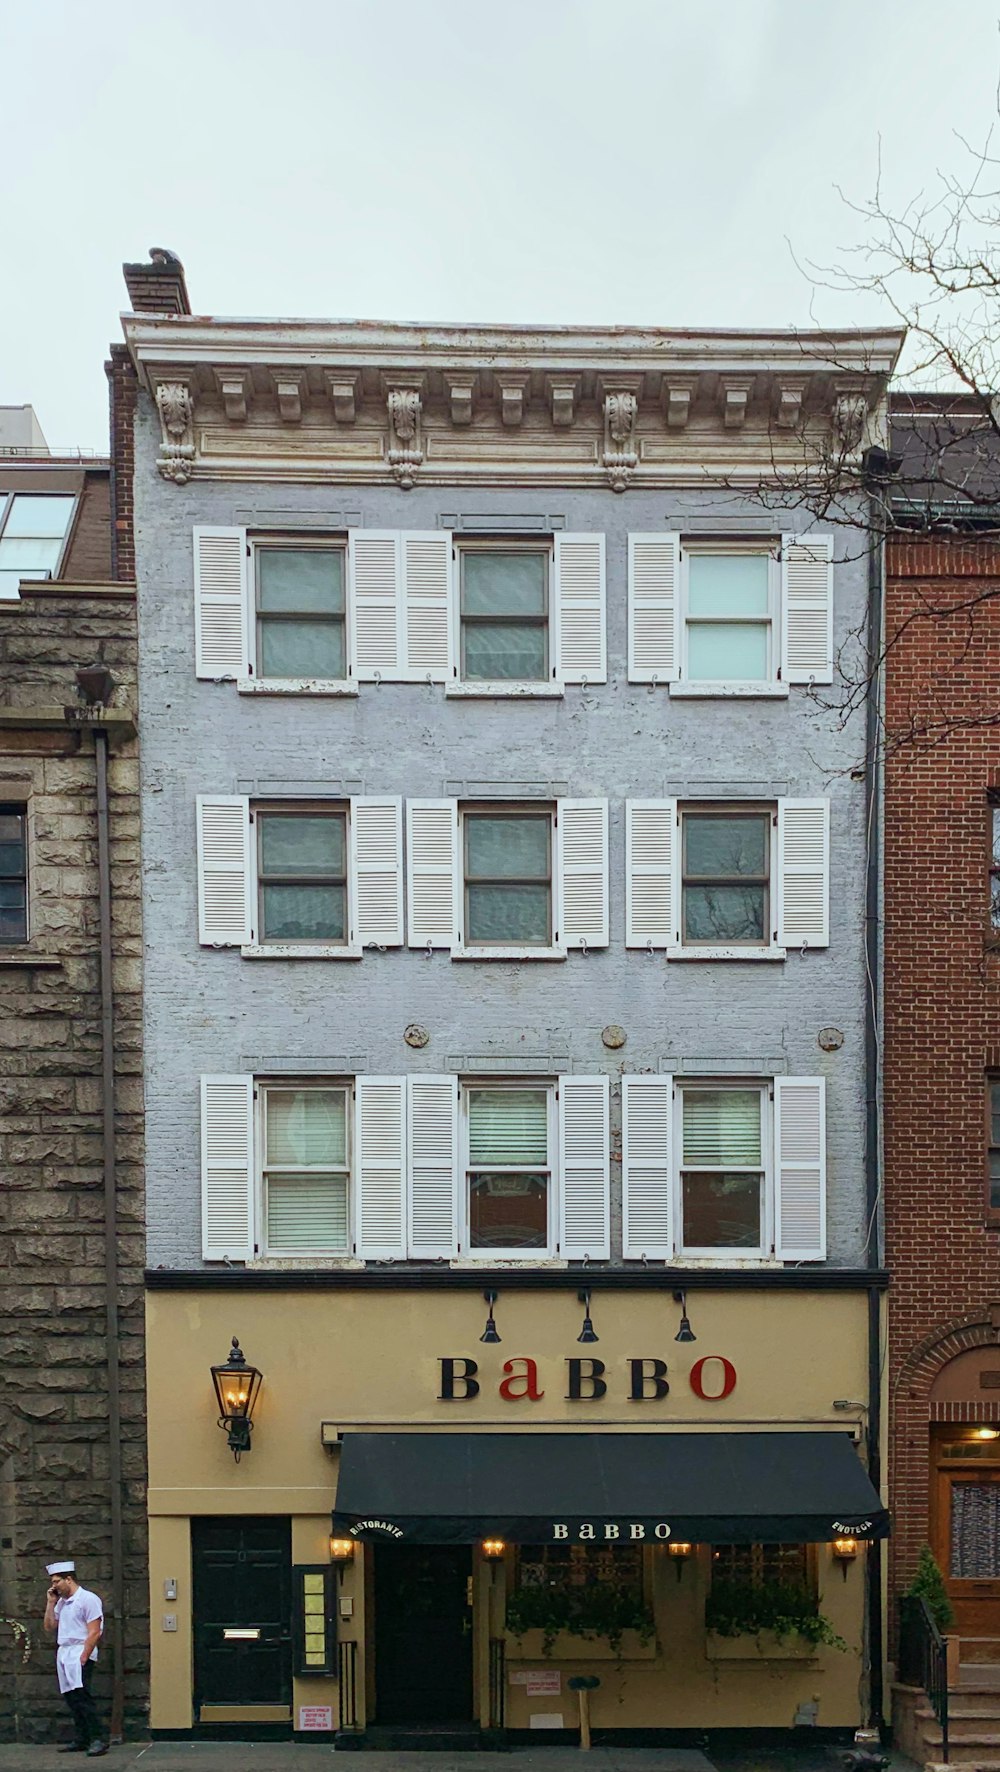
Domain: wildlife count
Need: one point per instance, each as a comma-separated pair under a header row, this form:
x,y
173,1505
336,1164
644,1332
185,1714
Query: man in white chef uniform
x,y
78,1617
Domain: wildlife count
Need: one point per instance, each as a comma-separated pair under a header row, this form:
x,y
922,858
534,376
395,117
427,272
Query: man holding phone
x,y
77,1616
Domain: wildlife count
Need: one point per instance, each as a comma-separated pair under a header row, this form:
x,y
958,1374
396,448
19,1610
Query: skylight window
x,y
33,529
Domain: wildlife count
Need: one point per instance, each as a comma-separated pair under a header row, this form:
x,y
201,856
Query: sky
x,y
650,162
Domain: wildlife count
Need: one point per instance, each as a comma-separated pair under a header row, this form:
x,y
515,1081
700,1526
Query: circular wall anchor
x,y
830,1039
614,1036
415,1035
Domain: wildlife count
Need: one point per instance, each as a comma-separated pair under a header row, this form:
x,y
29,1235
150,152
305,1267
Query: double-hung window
x,y
305,1169
994,813
504,610
730,598
509,1169
300,598
726,876
993,1145
302,874
724,1165
508,878
13,874
33,529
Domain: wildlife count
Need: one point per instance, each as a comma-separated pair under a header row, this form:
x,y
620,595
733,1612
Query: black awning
x,y
715,1488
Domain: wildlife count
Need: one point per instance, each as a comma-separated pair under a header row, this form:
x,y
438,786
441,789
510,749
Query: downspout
x,y
110,1242
876,464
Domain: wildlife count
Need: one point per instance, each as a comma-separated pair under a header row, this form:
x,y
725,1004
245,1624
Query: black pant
x,y
83,1710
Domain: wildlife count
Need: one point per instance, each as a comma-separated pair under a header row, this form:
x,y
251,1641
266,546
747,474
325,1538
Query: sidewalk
x,y
262,1756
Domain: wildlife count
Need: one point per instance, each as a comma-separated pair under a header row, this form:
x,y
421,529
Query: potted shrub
x,y
777,1620
617,1624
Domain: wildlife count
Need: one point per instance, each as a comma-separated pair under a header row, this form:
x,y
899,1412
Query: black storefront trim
x,y
441,1278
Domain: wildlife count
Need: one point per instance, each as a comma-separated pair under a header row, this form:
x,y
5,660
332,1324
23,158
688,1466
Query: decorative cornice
x,y
175,405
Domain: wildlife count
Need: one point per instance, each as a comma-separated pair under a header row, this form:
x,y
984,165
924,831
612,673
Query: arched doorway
x,y
965,1495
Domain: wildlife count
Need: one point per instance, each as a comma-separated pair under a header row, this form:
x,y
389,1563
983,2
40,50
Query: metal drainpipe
x,y
873,1155
110,1241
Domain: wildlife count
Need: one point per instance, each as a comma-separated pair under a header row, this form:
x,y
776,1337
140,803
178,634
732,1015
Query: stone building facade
x,y
72,1396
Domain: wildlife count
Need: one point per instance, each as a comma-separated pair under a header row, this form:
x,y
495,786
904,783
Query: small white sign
x,y
548,1719
316,1716
517,1677
544,1682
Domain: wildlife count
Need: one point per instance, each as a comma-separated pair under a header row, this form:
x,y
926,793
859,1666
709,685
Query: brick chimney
x,y
159,287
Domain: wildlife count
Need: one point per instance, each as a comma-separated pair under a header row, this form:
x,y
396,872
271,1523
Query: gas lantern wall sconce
x,y
341,1553
237,1386
685,1332
845,1550
493,1549
680,1553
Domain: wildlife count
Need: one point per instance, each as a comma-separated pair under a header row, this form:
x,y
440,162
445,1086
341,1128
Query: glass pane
x,y
721,1126
508,1126
307,581
503,584
13,911
302,649
307,1126
995,1180
29,559
306,1212
995,1112
302,843
721,1211
581,1565
8,584
726,846
507,848
724,913
994,896
504,654
303,913
508,916
508,1212
12,856
975,1531
11,826
996,836
728,584
727,652
40,516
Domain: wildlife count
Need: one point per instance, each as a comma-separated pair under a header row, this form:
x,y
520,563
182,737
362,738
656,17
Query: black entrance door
x,y
423,1633
242,1611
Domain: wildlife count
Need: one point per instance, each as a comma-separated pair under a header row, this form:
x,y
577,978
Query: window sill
x,y
22,957
729,691
491,1258
289,1263
505,691
294,686
728,1258
707,953
300,951
508,953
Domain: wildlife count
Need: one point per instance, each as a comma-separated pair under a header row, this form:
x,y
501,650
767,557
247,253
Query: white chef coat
x,y
73,1615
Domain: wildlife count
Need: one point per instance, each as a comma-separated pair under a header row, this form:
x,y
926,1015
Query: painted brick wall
x,y
942,986
212,1011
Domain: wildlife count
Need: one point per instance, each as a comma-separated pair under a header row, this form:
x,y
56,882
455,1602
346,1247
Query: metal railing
x,y
498,1678
923,1659
347,1682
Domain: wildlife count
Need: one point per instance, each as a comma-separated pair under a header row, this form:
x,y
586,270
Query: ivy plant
x,y
740,1608
588,1612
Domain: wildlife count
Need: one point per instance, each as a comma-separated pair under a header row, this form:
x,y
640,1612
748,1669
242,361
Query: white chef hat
x,y
60,1568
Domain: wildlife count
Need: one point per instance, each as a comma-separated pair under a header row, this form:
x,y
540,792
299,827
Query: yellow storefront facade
x,y
435,1480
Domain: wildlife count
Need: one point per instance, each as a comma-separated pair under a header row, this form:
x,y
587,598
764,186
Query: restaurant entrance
x,y
423,1633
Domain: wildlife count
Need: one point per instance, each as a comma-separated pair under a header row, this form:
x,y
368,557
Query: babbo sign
x,y
646,1380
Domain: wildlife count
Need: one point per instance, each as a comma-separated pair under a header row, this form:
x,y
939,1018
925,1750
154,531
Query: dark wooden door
x,y
966,1541
423,1633
242,1578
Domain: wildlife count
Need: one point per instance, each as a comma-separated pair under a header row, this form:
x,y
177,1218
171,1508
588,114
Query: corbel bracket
x,y
175,405
343,390
404,401
233,386
621,410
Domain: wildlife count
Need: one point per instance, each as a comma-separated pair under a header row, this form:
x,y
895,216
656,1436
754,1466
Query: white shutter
x,y
582,861
221,603
584,1167
651,873
432,1145
800,1168
653,579
803,897
377,862
225,870
647,1191
227,1173
432,872
427,577
380,1167
807,608
580,626
375,604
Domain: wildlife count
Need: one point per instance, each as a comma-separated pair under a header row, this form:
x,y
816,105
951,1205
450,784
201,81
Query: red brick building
x,y
942,1018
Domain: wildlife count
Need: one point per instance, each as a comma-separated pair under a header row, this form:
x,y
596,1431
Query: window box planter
x,y
569,1647
763,1645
